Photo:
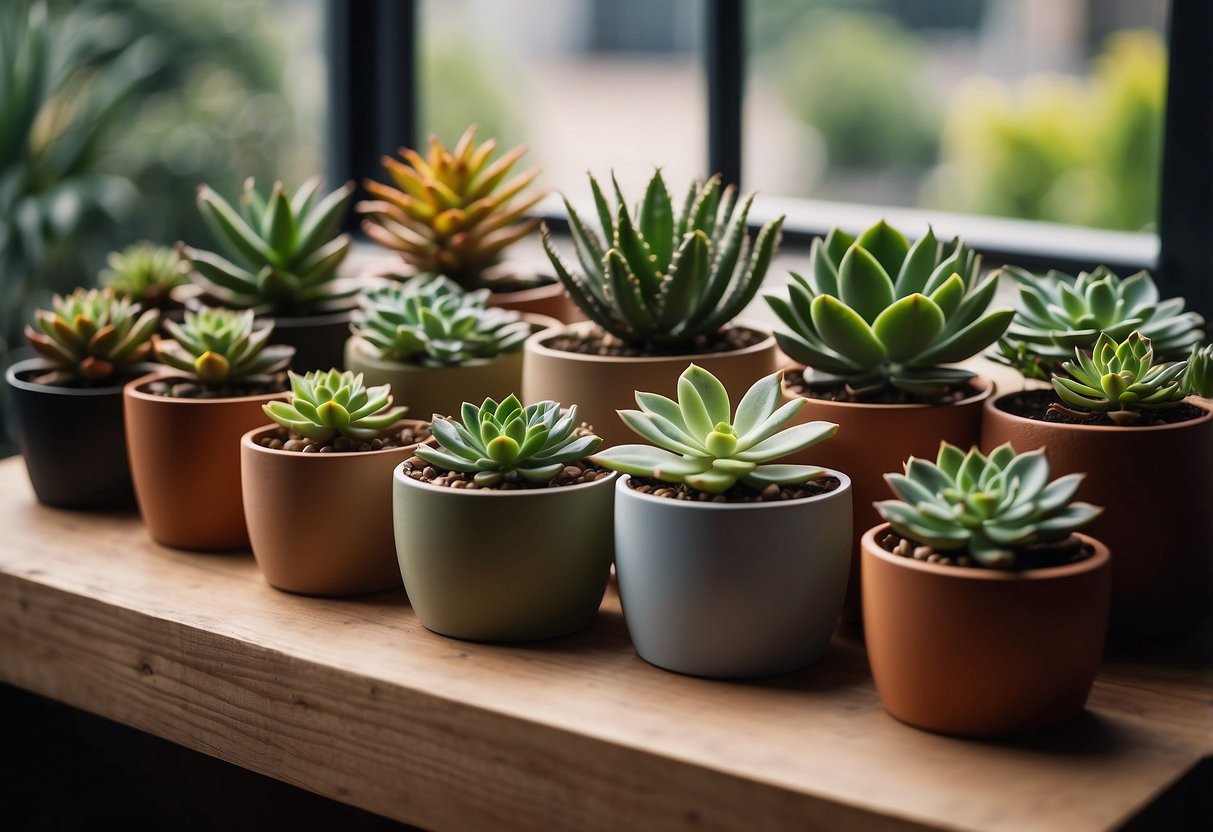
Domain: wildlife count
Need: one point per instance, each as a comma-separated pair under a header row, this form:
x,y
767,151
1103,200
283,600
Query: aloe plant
x,y
1120,380
662,277
145,273
220,347
1198,378
699,441
324,405
501,441
91,336
991,507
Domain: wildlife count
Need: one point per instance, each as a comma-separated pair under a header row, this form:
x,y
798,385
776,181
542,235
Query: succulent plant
x,y
451,212
1059,313
91,336
286,247
992,507
1198,378
662,277
702,443
145,273
432,321
325,404
220,347
879,312
1120,380
503,441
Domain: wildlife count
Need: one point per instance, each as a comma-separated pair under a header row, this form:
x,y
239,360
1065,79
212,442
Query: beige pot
x,y
185,464
321,524
601,385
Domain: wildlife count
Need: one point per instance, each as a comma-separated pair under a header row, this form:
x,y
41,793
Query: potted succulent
x,y
1140,432
454,212
287,252
875,329
729,563
328,458
67,402
183,426
438,346
984,612
503,531
147,274
660,291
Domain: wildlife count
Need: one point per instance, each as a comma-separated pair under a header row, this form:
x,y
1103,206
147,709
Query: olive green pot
x,y
487,565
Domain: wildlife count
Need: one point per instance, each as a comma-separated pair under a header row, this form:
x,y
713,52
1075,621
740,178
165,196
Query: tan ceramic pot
x,y
982,652
185,464
601,385
1156,486
321,524
876,439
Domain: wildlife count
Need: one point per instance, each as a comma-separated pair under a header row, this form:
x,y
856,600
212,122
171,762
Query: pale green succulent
x,y
220,347
879,312
433,322
702,443
1059,313
496,442
91,336
1198,378
1120,380
660,277
325,404
145,273
992,507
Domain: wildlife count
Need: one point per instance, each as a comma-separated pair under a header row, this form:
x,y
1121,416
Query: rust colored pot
x,y
1156,486
877,439
983,652
550,300
321,524
185,464
601,385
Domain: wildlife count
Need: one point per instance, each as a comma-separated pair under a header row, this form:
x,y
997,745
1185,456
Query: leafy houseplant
x,y
329,457
661,286
711,490
979,574
146,274
503,531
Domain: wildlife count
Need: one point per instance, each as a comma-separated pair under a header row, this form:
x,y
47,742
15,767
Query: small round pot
x,y
504,566
185,464
732,590
601,385
319,340
321,524
983,652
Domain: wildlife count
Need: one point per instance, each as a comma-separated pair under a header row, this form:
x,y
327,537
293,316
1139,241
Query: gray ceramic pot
x,y
732,590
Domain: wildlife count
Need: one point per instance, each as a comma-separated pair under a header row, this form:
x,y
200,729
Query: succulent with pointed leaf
x,y
326,404
699,440
1198,378
91,336
1120,380
220,347
879,312
497,442
992,507
661,276
145,273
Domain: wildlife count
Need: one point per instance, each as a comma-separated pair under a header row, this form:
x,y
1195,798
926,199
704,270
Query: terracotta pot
x,y
1156,486
983,652
601,385
876,439
550,300
489,565
321,524
185,464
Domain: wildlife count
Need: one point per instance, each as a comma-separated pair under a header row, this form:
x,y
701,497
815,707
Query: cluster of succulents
x,y
326,404
663,277
91,336
991,507
221,347
501,441
699,441
454,211
145,273
287,248
433,322
1198,378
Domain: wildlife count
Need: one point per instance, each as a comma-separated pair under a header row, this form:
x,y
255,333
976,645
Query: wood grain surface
x,y
355,700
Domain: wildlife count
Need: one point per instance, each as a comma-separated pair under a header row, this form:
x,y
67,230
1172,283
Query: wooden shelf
x,y
353,699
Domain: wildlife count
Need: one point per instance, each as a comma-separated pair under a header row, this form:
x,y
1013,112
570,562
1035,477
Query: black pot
x,y
72,438
319,340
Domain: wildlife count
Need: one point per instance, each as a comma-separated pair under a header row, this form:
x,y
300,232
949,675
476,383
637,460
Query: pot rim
x,y
1099,560
247,441
988,390
360,344
992,410
27,364
844,487
398,476
533,344
131,389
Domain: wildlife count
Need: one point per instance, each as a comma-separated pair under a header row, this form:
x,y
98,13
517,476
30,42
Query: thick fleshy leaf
x,y
863,284
757,404
887,245
658,431
647,461
908,326
969,341
816,357
765,475
711,392
917,266
795,438
846,332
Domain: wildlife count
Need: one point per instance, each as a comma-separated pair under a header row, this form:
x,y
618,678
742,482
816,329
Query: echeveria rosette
x,y
499,441
326,404
90,336
700,442
879,312
220,346
1198,378
663,276
1120,380
1059,313
991,507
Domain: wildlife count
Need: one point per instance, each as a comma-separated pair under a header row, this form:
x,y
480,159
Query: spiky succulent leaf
x,y
1121,380
220,347
326,404
90,336
1198,377
145,273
